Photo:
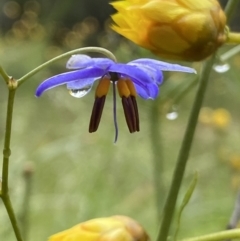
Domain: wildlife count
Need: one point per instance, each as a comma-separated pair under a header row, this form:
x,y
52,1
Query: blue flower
x,y
139,77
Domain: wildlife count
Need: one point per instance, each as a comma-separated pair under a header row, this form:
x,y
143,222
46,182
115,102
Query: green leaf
x,y
184,203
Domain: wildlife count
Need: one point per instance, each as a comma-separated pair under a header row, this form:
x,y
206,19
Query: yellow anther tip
x,y
103,87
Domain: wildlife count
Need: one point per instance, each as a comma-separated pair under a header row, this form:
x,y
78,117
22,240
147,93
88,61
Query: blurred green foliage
x,y
78,176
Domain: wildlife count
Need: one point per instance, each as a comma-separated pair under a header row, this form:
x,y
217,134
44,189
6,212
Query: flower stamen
x,y
133,94
100,97
125,90
115,112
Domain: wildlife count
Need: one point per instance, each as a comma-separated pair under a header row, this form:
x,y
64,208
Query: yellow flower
x,y
221,118
234,161
189,30
115,228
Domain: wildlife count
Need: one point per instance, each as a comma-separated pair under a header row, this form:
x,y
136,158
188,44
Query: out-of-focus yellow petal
x,y
197,4
162,11
116,234
116,228
101,225
172,43
197,21
189,30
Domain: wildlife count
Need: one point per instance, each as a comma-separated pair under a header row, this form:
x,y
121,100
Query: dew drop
x,y
172,115
79,93
221,68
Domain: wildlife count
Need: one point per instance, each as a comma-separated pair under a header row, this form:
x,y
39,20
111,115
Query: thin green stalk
x,y
24,216
6,154
224,235
7,139
157,156
170,204
230,53
233,38
230,8
75,51
4,74
184,152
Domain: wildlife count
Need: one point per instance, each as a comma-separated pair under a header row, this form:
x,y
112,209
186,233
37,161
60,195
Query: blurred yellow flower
x,y
189,30
221,118
115,228
234,161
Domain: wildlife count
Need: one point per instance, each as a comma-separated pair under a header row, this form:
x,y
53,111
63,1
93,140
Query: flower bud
x,y
116,228
188,30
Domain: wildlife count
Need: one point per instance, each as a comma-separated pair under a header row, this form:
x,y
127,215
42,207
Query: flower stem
x,y
224,235
75,51
157,156
4,74
230,8
233,38
184,152
6,154
170,203
24,216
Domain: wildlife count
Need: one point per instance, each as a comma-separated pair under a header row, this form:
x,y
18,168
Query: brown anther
x,y
136,112
96,113
131,113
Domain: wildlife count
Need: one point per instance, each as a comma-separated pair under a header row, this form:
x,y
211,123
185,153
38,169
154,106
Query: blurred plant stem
x,y
229,234
170,204
230,8
234,38
6,154
157,151
171,200
99,50
24,216
4,74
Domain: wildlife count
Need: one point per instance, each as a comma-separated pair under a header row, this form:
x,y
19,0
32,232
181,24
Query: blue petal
x,y
163,65
103,63
80,61
65,78
154,73
151,91
132,72
80,84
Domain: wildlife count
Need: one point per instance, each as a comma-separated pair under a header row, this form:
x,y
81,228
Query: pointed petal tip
x,y
38,92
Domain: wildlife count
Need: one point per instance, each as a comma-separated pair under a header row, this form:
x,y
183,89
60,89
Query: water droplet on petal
x,y
79,93
221,68
172,114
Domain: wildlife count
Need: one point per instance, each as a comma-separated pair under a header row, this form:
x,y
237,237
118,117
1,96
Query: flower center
x,y
128,94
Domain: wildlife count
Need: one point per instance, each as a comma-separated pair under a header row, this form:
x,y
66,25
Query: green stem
x,y
230,8
75,51
4,74
224,235
6,154
7,139
157,156
170,203
233,38
24,217
184,152
230,53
